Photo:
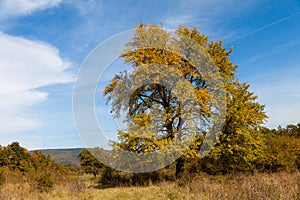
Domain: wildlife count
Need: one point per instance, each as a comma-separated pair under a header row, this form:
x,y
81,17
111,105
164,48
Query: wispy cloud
x,y
176,20
14,8
87,7
264,27
25,66
273,51
208,16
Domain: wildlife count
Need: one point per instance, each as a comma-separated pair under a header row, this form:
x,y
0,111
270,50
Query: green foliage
x,y
241,143
44,182
15,157
282,150
89,163
41,162
36,169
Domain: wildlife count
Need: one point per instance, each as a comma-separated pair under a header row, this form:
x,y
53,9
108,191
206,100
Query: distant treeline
x,y
63,156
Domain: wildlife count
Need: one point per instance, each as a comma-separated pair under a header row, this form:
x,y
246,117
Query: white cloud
x,y
176,20
88,8
25,66
12,8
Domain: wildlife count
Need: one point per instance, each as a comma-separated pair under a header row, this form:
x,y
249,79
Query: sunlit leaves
x,y
182,95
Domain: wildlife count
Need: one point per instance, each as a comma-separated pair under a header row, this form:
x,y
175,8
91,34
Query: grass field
x,y
281,185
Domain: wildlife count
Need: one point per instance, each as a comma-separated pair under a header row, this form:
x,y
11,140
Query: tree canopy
x,y
169,59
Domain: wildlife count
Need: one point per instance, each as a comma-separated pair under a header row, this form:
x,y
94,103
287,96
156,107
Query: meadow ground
x,y
280,185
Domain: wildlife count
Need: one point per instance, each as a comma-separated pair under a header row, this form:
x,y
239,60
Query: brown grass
x,y
281,186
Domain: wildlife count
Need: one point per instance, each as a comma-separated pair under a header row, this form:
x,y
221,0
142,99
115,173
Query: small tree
x,y
15,157
41,162
89,163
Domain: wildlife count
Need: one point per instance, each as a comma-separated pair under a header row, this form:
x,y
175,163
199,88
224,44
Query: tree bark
x,y
179,167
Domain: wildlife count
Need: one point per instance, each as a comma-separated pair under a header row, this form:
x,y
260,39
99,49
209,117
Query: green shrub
x,y
44,182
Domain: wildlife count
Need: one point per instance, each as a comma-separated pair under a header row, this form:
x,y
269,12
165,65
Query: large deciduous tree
x,y
157,104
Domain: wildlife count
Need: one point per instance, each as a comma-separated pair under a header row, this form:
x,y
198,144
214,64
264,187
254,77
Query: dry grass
x,y
281,186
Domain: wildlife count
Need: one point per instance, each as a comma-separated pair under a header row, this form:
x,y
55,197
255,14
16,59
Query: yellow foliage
x,y
153,45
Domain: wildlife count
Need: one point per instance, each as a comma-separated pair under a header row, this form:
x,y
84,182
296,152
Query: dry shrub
x,y
2,176
112,178
44,182
281,185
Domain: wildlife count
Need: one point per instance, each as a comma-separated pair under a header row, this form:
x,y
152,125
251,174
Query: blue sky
x,y
43,43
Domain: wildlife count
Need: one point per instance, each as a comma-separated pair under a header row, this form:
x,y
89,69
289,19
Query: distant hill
x,y
63,156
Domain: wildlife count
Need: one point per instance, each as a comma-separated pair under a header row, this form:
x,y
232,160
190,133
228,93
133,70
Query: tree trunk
x,y
179,167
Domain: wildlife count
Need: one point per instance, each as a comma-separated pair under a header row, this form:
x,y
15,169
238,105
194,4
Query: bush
x,y
112,178
44,182
282,149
